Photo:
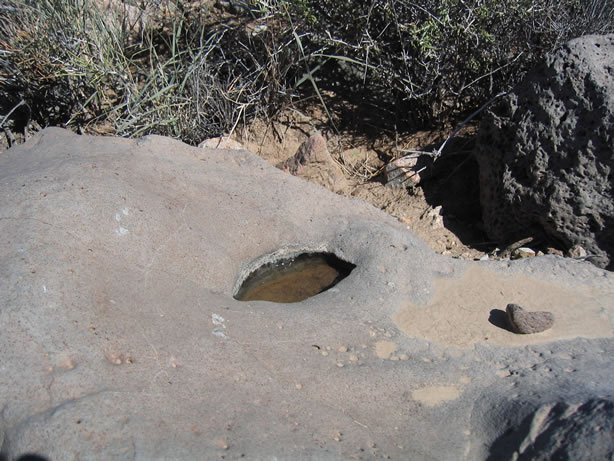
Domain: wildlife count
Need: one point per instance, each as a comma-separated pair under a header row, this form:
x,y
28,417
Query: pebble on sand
x,y
525,322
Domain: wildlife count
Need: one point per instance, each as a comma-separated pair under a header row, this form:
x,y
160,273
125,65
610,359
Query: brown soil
x,y
427,210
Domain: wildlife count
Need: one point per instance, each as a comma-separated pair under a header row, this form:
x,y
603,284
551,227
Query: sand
x,y
461,318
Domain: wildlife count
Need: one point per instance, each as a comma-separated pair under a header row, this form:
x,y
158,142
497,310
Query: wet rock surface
x,y
546,154
121,339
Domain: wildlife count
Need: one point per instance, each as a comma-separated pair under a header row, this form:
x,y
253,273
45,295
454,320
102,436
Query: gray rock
x,y
546,152
523,322
121,338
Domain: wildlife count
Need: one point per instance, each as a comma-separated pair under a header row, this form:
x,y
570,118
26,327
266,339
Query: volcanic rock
x,y
546,153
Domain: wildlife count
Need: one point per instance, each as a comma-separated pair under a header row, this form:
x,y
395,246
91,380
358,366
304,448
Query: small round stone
x,y
525,322
522,253
576,251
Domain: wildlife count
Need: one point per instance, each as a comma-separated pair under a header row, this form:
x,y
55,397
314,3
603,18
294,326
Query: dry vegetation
x,y
198,69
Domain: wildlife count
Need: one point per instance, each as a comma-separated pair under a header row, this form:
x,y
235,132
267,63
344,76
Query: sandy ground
x,y
362,161
458,317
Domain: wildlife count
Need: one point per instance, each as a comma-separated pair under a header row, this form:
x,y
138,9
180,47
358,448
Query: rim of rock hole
x,y
291,275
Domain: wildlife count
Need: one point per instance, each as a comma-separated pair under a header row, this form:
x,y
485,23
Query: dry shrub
x,y
192,71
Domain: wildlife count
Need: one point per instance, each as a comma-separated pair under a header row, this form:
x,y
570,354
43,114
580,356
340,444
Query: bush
x,y
189,71
65,61
436,58
185,73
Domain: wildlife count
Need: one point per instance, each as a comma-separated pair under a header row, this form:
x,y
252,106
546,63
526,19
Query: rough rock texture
x,y
313,161
561,431
121,339
523,322
522,252
546,153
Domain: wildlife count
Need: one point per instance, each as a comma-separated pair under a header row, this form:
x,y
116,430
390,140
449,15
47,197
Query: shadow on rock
x,y
454,185
562,431
498,318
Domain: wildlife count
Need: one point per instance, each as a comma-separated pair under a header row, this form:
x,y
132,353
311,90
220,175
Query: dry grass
x,y
193,71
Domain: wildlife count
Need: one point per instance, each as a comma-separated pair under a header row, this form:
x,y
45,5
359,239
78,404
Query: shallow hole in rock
x,y
294,279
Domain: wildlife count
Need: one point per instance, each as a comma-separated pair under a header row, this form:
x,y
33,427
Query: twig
x,y
21,103
437,153
468,119
490,73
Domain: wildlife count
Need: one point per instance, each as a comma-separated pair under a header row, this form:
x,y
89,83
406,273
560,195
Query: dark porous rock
x,y
546,153
524,322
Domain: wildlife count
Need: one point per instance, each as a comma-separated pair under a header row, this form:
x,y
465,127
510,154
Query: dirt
x,y
384,349
432,396
458,317
427,210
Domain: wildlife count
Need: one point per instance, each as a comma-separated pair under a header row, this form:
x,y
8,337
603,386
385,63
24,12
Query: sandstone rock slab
x,y
121,338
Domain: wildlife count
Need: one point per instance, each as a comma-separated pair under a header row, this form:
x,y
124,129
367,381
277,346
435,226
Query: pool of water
x,y
294,279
